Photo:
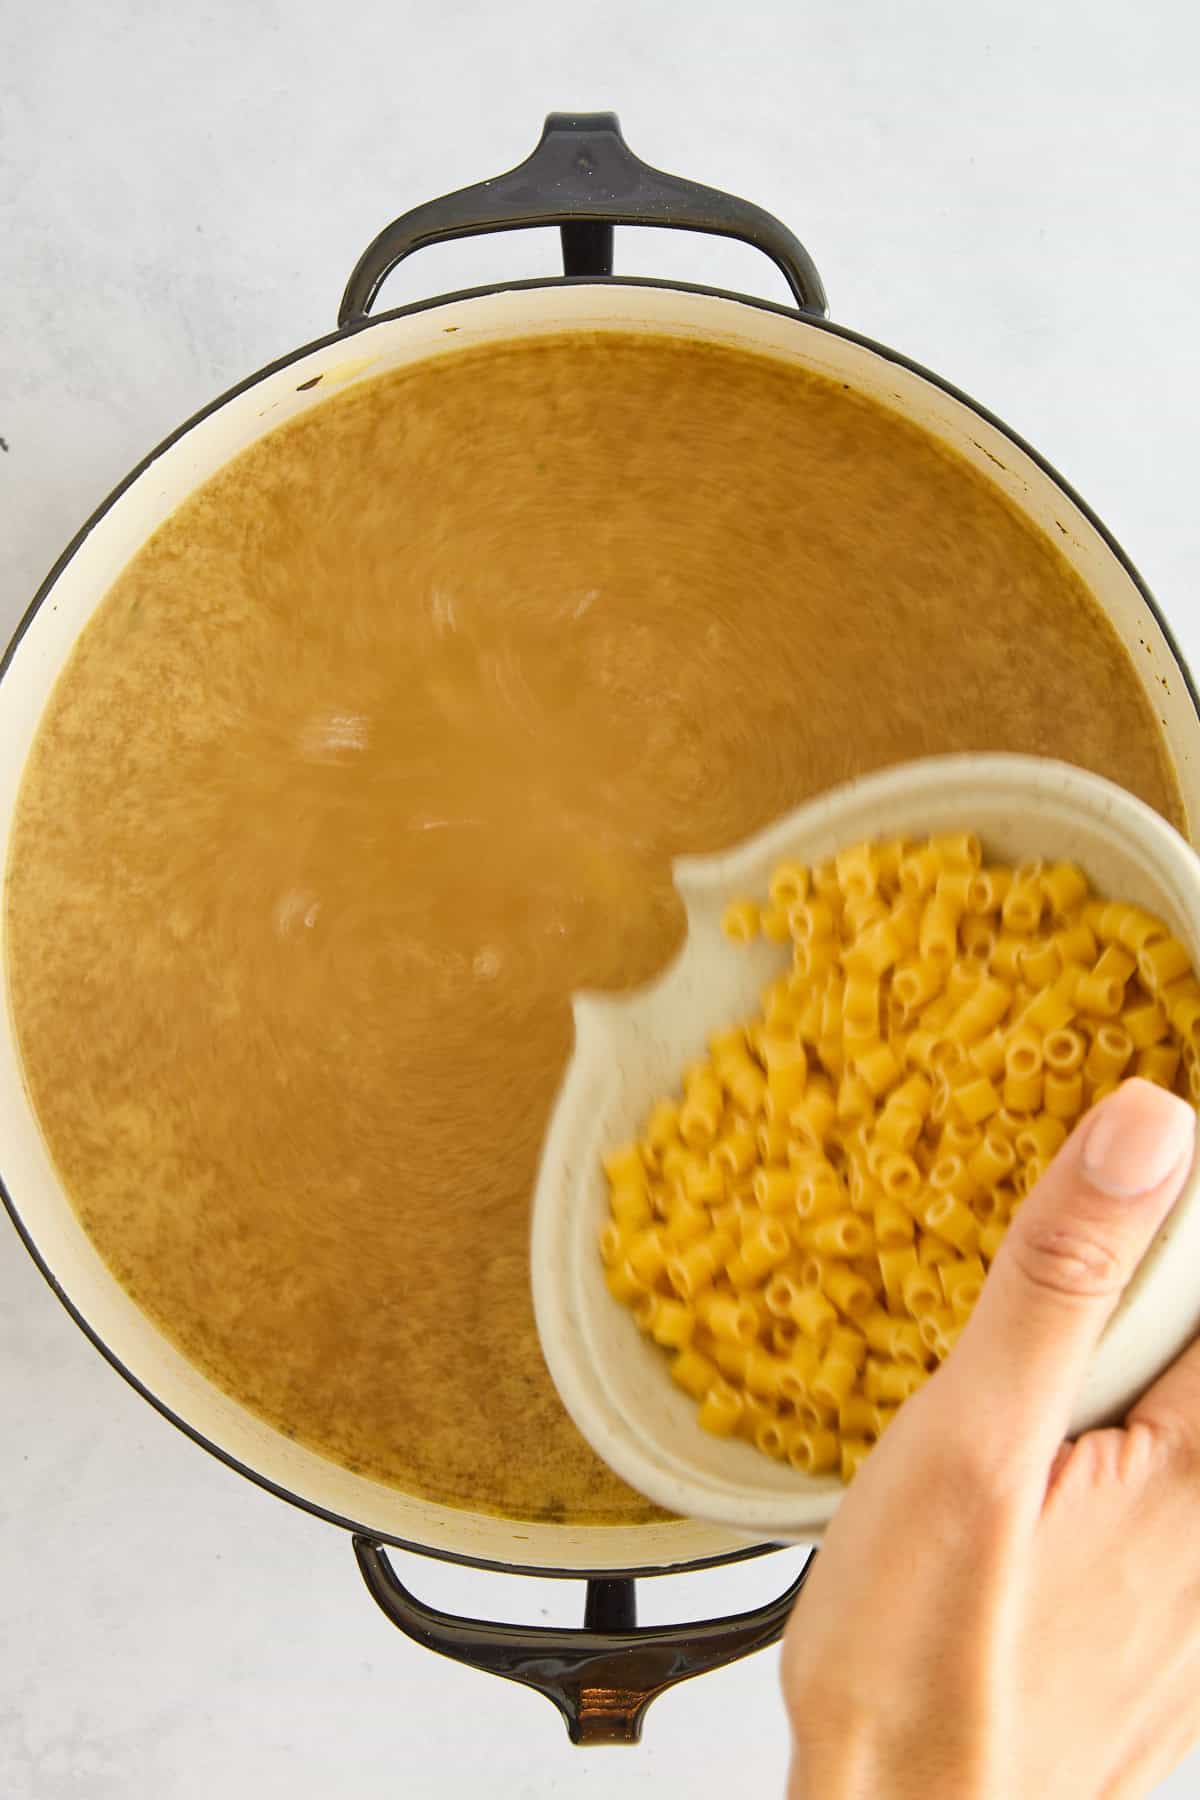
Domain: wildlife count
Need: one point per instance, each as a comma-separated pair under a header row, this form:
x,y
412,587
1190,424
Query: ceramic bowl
x,y
631,1049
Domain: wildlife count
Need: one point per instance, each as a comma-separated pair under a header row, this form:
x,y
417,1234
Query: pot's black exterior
x,y
583,179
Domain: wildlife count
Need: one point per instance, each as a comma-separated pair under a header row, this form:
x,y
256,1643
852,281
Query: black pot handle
x,y
601,1678
584,178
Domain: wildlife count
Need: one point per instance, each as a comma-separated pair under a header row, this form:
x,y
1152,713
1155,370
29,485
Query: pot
x,y
583,179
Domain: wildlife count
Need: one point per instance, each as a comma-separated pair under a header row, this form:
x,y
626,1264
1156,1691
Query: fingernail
x,y
1138,1136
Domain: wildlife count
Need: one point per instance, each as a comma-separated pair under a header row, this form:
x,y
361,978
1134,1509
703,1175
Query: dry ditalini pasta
x,y
806,1226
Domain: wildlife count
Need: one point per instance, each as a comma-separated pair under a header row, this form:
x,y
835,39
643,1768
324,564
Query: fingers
x,y
1069,1253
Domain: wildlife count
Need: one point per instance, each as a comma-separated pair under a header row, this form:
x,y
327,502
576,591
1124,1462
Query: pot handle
x,y
584,178
601,1677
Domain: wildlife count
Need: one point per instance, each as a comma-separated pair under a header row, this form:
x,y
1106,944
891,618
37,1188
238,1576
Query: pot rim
x,y
352,330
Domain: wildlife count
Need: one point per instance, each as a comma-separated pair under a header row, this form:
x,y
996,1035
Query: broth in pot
x,y
382,747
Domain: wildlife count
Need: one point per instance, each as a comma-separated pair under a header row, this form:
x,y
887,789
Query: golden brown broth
x,y
382,746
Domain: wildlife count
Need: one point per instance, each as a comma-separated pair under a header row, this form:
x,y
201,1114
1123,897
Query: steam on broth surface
x,y
382,746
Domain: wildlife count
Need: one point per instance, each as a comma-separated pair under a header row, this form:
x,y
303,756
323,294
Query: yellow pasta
x,y
725,1316
662,1126
948,1174
894,1226
987,1056
858,1417
1162,962
630,1205
844,1234
814,957
685,1220
694,1373
773,1138
982,1008
814,918
764,1245
991,1162
986,890
918,871
962,1283
771,1437
1146,1024
960,1135
1062,1095
786,1062
899,1177
914,1094
1110,1053
1116,964
1099,995
1182,1001
1065,888
855,1101
775,924
1023,903
991,1236
813,1451
937,937
874,948
1023,1073
913,983
696,1266
735,1150
789,885
744,1082
977,937
1135,928
953,886
1160,1063
720,1409
894,1266
849,1292
857,871
670,1323
948,1216
976,1100
922,1292
729,1357
1076,945
957,849
814,1313
897,1129
962,978
740,921
647,1253
819,1192
1063,1052
1055,1006
1040,963
834,1380
1042,1137
805,1227
774,1188
756,1411
879,1069
765,1373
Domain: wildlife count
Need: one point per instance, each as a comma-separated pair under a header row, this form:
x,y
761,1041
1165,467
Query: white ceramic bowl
x,y
631,1049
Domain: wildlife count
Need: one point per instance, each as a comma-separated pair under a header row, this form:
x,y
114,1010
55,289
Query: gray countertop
x,y
1007,194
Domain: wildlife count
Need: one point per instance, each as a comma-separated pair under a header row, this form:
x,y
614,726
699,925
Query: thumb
x,y
1071,1250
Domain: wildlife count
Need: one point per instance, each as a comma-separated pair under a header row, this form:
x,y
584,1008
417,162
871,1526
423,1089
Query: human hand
x,y
996,1612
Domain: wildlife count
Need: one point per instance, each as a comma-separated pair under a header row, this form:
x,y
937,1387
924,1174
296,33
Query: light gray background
x,y
1005,191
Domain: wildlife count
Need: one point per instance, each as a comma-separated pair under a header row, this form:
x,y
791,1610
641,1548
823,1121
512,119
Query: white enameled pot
x,y
583,179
